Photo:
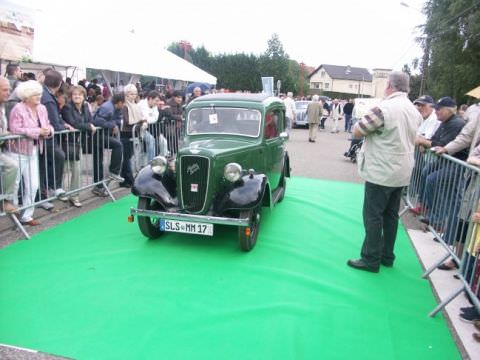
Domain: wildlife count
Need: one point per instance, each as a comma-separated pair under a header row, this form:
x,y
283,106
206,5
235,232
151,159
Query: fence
x,y
73,161
444,193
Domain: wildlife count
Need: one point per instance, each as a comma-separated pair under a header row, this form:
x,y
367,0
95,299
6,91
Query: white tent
x,y
129,53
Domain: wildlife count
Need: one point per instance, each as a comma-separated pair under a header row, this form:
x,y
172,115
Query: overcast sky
x,y
371,34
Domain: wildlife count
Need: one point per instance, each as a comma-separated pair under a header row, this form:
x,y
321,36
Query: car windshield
x,y
234,121
301,105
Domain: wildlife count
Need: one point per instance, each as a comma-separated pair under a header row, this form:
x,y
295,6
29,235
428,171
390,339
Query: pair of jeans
x,y
126,171
149,141
348,122
52,163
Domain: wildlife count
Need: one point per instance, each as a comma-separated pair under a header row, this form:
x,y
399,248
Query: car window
x,y
272,124
216,120
301,105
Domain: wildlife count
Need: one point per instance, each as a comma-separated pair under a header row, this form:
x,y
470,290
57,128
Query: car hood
x,y
215,147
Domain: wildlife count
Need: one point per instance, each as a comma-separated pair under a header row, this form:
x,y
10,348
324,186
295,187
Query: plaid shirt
x,y
371,122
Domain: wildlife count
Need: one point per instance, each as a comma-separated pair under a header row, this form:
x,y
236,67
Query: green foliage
x,y
453,49
244,71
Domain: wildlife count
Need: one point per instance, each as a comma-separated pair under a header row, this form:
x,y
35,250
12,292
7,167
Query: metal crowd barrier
x,y
70,160
76,161
161,138
444,192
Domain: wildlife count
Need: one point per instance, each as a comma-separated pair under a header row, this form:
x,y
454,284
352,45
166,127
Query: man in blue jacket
x,y
108,117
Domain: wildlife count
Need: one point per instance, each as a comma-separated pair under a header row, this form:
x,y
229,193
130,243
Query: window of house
x,y
322,74
327,85
350,86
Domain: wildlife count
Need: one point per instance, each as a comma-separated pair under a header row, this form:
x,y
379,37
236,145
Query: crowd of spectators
x,y
447,193
61,122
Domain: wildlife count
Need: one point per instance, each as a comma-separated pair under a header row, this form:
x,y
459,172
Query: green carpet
x,y
95,288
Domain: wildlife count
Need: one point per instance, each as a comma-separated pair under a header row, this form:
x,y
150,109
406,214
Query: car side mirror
x,y
284,135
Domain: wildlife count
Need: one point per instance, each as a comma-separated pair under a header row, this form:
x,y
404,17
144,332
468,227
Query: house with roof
x,y
357,81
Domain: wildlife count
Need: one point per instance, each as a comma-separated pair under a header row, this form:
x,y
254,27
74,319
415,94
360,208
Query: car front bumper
x,y
190,217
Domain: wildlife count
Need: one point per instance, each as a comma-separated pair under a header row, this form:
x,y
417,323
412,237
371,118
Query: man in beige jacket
x,y
385,163
314,111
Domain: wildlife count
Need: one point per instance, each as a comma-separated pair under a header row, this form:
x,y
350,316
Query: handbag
x,y
72,150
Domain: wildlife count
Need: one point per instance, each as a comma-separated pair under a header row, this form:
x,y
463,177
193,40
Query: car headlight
x,y
159,165
232,172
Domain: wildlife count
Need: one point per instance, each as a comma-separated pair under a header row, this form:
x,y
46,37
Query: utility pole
x,y
425,61
302,78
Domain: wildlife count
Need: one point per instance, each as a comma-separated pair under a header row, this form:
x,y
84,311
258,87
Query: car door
x,y
274,145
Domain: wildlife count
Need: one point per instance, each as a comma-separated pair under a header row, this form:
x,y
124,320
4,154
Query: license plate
x,y
186,227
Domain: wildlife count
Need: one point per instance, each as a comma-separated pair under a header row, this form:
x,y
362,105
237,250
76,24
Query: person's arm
x,y
103,118
422,141
463,139
370,123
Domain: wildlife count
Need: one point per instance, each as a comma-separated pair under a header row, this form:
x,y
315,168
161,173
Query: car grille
x,y
301,117
194,181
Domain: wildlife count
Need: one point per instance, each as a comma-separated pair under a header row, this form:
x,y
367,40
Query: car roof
x,y
259,97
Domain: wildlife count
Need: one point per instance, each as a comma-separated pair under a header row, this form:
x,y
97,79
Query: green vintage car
x,y
232,163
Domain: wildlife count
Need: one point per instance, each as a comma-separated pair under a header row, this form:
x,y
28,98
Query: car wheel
x,y
149,226
283,183
248,238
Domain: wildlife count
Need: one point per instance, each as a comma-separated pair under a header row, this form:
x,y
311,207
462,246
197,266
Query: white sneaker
x,y
61,194
47,206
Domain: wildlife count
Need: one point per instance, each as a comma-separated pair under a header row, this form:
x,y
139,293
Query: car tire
x,y
149,226
247,243
283,183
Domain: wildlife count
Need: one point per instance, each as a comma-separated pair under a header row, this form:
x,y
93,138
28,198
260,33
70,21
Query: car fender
x,y
246,193
160,188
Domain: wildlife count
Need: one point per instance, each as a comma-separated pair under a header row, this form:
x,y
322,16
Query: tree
x,y
452,47
275,62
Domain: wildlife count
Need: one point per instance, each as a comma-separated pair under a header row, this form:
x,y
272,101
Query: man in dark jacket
x,y
347,110
175,113
109,118
434,175
52,159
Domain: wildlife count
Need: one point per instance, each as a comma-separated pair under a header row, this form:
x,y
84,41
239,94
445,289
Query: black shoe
x,y
444,266
470,317
467,309
360,264
386,263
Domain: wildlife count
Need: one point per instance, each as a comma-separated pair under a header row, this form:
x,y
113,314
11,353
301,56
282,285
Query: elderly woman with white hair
x,y
29,118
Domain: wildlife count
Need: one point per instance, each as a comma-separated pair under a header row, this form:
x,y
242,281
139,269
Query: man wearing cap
x,y
425,106
385,162
433,175
451,124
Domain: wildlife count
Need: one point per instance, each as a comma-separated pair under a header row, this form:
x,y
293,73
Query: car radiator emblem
x,y
192,169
